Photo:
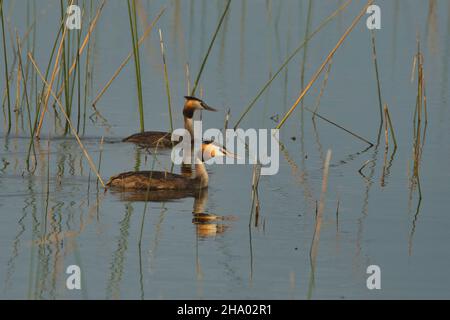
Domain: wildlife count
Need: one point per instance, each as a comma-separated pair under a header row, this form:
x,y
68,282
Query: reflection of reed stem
x,y
319,218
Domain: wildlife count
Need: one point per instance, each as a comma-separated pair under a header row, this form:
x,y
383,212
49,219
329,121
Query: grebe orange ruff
x,y
157,180
163,139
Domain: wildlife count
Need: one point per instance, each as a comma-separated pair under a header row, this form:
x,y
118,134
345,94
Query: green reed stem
x,y
27,161
292,55
137,65
166,78
5,58
210,47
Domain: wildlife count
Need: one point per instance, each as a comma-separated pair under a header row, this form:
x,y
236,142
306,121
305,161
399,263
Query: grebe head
x,y
210,150
192,103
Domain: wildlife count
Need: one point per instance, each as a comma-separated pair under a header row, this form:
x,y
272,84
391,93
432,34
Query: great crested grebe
x,y
163,139
157,180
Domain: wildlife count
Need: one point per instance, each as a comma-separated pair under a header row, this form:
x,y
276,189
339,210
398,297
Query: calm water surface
x,y
128,249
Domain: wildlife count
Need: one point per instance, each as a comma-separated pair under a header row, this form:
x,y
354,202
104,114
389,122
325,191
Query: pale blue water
x,y
59,216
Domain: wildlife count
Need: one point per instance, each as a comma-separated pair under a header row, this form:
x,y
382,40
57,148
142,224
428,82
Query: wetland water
x,y
129,249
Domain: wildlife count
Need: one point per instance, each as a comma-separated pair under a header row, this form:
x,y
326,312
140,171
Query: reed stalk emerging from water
x,y
5,59
319,219
74,132
388,121
137,64
27,101
166,79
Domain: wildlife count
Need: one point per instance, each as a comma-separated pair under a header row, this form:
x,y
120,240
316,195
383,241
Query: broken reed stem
x,y
5,59
285,63
319,71
137,64
389,122
166,79
125,61
375,62
58,102
209,48
339,126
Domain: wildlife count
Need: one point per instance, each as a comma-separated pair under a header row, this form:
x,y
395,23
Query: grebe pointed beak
x,y
230,154
206,107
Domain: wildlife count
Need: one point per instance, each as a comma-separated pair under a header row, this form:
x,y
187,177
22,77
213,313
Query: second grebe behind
x,y
162,139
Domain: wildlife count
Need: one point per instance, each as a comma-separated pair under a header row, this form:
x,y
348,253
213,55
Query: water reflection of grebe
x,y
206,224
163,139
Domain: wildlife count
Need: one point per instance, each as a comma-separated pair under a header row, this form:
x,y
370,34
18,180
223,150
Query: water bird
x,y
162,139
158,180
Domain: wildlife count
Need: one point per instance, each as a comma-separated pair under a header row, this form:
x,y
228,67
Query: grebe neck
x,y
189,126
201,174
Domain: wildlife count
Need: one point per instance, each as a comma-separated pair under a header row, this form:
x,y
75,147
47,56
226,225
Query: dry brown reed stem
x,y
320,209
339,126
125,61
389,122
52,79
289,58
74,132
88,36
319,71
375,62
